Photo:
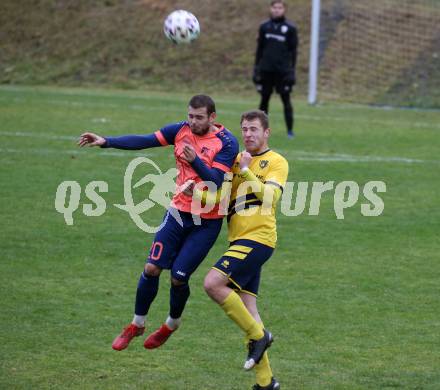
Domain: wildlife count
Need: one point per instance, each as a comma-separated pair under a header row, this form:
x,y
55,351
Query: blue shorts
x,y
181,249
242,264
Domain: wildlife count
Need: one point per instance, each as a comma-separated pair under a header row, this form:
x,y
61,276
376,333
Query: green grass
x,y
120,44
353,303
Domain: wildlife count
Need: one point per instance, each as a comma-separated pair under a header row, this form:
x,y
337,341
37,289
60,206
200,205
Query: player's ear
x,y
267,132
212,116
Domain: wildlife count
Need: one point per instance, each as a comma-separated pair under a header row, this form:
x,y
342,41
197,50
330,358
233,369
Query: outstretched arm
x,y
127,142
163,137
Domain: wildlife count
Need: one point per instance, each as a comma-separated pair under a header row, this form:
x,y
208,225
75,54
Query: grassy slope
x,y
353,303
121,43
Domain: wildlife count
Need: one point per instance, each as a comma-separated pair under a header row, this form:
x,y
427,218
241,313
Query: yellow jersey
x,y
251,215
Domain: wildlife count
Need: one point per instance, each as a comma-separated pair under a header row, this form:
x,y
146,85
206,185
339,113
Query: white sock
x,y
173,323
139,321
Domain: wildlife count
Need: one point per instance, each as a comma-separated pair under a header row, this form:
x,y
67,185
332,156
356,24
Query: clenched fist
x,y
245,160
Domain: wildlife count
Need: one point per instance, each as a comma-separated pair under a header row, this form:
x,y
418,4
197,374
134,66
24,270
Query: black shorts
x,y
271,80
242,264
181,248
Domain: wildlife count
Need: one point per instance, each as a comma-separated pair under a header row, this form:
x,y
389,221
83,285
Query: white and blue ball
x,y
181,27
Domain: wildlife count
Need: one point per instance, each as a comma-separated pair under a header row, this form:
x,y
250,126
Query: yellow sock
x,y
263,371
237,312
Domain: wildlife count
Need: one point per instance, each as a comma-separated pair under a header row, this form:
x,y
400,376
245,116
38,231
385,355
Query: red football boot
x,y
158,337
121,342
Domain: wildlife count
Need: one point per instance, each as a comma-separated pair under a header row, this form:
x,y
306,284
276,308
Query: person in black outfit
x,y
275,60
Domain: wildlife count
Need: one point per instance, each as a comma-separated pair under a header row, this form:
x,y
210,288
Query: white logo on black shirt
x,y
280,38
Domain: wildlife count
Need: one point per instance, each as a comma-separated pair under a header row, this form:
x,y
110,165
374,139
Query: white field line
x,y
320,117
81,93
405,124
38,135
78,92
71,103
45,152
317,156
295,155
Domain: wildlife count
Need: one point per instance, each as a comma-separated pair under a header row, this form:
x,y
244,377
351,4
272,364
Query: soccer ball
x,y
181,27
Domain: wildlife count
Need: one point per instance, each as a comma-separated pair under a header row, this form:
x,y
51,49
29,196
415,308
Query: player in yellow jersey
x,y
259,175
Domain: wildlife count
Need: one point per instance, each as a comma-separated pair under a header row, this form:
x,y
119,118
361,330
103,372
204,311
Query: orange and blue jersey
x,y
216,152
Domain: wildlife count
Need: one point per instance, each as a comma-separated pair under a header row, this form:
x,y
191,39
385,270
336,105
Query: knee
x,y
152,270
177,283
211,284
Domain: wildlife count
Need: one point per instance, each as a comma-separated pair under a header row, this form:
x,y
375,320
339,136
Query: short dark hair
x,y
256,114
200,101
273,2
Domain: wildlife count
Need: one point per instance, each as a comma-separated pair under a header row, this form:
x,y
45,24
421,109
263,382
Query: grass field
x,y
353,303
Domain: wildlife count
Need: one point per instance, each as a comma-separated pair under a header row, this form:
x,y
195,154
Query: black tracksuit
x,y
275,63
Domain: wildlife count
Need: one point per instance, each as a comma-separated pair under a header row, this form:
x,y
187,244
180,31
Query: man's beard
x,y
202,131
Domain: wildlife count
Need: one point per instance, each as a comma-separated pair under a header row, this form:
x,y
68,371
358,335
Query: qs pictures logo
x,y
68,195
346,195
